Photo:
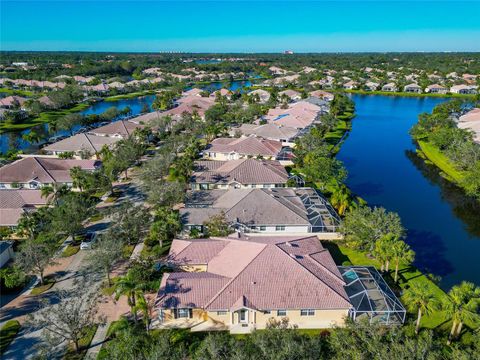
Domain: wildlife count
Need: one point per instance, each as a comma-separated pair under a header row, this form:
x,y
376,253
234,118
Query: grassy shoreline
x,y
132,95
43,118
434,156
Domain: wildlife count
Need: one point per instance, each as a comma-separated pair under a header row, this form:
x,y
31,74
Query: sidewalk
x,y
97,341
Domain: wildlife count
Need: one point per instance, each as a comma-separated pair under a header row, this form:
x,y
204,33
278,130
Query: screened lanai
x,y
371,297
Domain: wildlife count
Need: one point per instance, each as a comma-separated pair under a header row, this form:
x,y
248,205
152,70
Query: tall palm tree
x,y
419,298
401,251
461,304
132,289
383,250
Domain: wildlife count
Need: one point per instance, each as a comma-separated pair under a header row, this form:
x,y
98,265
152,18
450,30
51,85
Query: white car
x,y
88,241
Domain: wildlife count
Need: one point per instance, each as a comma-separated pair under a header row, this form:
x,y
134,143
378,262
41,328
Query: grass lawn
x,y
127,250
70,250
435,156
129,96
9,92
8,333
84,343
44,117
96,217
48,282
407,276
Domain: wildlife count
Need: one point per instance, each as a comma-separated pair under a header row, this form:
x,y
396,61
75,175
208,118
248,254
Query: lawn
x,y
85,341
8,333
44,117
9,92
48,282
129,96
435,156
407,276
70,250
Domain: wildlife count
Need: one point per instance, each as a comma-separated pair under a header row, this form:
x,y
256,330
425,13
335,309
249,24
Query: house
x,y
192,92
241,283
291,94
191,104
469,78
390,87
371,86
471,121
118,129
464,89
117,85
266,210
436,89
284,80
14,203
83,143
11,102
299,115
286,135
308,70
34,172
83,80
412,88
46,102
243,147
6,252
275,70
222,92
324,95
236,174
350,85
262,95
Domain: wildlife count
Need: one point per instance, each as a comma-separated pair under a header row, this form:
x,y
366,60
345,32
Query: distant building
x,y
288,52
240,148
412,88
436,89
390,87
464,89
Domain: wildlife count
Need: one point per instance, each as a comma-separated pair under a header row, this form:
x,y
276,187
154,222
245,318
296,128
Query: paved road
x,y
25,345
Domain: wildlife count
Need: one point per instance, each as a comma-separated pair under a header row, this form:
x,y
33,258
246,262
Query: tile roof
x,y
13,203
243,171
265,273
268,131
248,206
42,169
247,146
122,128
298,115
82,141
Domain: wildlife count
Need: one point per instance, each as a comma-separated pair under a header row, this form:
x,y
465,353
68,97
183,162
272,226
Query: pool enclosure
x,y
371,297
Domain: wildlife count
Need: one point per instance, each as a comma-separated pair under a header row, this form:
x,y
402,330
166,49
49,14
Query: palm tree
x,y
461,304
341,199
132,289
383,250
78,177
54,191
401,251
419,298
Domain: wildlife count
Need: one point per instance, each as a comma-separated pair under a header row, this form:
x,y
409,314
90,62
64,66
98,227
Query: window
x,y
253,227
183,313
263,228
279,228
222,312
281,312
254,186
307,312
267,312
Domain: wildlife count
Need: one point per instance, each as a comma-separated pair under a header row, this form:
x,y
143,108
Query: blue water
x,y
14,140
443,225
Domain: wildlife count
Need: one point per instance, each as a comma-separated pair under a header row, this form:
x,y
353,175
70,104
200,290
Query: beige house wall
x,y
259,320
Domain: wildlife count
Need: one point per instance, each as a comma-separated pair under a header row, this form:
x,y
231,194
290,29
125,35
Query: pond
x,y
443,225
14,140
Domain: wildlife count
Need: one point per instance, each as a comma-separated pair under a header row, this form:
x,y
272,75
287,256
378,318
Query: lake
x,y
443,225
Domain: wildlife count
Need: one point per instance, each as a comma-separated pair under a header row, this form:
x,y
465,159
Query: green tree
x,y
165,226
420,299
128,286
35,255
401,252
364,226
461,305
217,225
69,215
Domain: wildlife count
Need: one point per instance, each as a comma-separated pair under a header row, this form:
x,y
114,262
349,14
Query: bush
x,y
70,250
8,333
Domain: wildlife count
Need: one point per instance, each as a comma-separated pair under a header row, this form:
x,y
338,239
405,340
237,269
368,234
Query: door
x,y
242,316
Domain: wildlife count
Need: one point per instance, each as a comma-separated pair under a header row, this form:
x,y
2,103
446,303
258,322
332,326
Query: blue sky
x,y
240,26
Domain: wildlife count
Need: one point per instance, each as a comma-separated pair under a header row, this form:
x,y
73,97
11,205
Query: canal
x,y
443,225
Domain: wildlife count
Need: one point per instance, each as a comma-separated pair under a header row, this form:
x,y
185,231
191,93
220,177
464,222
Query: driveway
x,y
24,346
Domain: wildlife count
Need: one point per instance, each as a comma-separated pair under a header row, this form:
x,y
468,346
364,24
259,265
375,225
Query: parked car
x,y
88,241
